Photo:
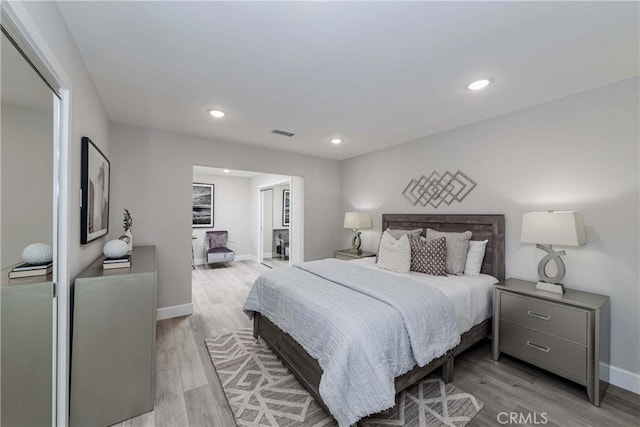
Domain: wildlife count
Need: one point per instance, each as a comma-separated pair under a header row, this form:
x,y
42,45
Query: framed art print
x,y
94,182
202,201
286,207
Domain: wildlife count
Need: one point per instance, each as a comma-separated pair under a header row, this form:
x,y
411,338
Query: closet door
x,y
27,221
267,245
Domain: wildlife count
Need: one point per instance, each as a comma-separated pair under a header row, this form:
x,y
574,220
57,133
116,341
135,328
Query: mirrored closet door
x,y
27,230
266,197
275,225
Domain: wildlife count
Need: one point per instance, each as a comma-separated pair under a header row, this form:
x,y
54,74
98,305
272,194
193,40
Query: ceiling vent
x,y
283,132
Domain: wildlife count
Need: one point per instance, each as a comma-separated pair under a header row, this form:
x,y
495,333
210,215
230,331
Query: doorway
x,y
272,236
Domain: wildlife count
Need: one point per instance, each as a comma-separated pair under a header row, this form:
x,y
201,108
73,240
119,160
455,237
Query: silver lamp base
x,y
551,283
356,242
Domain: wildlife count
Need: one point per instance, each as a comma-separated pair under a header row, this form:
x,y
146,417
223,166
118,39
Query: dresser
x,y
113,341
567,334
349,255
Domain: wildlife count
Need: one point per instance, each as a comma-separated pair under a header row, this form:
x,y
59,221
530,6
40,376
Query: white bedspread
x,y
471,295
364,327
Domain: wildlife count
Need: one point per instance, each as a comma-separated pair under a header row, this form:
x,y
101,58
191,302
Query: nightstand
x,y
347,255
567,334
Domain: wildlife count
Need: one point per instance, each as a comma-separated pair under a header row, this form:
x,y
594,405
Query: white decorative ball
x,y
37,253
115,248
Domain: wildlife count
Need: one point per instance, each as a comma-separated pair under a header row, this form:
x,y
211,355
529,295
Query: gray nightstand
x,y
565,334
347,255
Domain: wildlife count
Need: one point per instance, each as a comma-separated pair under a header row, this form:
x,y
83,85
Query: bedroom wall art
x,y
438,188
95,175
202,201
286,207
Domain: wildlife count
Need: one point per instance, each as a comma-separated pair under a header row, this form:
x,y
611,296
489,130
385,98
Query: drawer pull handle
x,y
538,316
538,347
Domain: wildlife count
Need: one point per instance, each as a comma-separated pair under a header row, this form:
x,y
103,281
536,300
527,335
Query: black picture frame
x,y
202,201
95,183
286,207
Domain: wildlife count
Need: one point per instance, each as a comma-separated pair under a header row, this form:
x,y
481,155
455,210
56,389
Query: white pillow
x,y
475,255
394,255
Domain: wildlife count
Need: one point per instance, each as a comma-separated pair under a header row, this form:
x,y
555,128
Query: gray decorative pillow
x,y
428,256
396,234
457,245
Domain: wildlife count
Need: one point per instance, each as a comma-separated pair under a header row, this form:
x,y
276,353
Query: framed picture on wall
x,y
94,183
202,202
286,207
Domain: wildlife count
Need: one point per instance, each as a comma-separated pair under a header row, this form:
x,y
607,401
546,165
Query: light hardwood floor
x,y
188,392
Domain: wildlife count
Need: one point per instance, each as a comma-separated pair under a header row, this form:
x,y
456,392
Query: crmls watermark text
x,y
530,418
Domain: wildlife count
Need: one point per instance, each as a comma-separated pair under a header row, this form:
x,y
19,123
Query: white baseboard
x,y
202,261
174,311
621,378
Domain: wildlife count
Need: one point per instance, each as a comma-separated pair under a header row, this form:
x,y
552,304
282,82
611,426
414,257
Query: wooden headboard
x,y
483,227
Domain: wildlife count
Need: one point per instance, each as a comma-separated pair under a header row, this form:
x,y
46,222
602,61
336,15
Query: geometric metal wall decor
x,y
439,188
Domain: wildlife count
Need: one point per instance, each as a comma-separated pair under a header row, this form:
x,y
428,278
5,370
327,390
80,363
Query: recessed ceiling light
x,y
218,114
336,141
479,84
226,171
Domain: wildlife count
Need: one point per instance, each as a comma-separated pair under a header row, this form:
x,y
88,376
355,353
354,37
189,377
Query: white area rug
x,y
262,392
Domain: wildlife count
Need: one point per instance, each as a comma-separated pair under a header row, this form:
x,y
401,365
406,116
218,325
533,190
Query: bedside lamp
x,y
563,228
357,221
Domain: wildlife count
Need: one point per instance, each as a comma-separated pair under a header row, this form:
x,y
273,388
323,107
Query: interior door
x,y
27,206
266,247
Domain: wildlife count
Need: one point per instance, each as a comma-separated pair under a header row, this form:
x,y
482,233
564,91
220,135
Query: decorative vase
x,y
37,253
128,233
128,238
115,248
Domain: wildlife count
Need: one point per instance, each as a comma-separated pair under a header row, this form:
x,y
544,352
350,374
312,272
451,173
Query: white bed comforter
x,y
364,327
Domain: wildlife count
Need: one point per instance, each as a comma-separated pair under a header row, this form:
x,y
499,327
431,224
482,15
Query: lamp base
x,y
551,287
356,242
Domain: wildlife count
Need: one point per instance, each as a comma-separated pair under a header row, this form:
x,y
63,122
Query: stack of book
x,y
30,270
123,262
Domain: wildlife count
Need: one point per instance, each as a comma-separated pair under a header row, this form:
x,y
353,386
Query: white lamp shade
x,y
359,220
564,228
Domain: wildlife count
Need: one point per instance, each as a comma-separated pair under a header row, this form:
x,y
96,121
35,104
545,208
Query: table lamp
x,y
564,228
357,221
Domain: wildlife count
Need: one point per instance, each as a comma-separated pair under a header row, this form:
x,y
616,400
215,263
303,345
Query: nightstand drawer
x,y
555,354
561,321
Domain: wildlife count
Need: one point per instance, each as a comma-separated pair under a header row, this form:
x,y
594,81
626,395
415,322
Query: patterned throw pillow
x,y
394,255
217,241
428,256
457,245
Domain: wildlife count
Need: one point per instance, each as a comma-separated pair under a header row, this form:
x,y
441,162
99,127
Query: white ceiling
x,y
206,170
375,74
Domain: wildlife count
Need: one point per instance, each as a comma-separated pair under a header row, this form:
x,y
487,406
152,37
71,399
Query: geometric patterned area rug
x,y
262,392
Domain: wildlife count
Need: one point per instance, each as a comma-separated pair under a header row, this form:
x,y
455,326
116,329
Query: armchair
x,y
216,244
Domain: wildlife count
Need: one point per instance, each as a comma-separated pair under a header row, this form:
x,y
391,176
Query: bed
x,y
307,368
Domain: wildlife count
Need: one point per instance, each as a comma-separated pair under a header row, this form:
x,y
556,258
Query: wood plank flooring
x,y
188,392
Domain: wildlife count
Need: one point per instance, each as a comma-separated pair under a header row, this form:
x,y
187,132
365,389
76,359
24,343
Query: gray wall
x,y
27,169
579,152
88,118
232,212
151,175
